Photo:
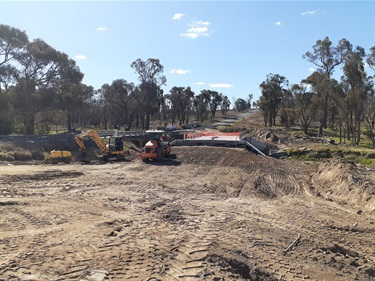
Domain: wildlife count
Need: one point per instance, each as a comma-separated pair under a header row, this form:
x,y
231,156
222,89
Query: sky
x,y
226,46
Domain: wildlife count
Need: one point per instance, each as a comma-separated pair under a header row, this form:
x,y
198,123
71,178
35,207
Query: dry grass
x,y
12,152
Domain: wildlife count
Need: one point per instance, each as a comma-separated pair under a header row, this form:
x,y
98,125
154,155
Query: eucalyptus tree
x,y
71,93
225,106
305,106
166,109
326,57
201,105
39,71
118,97
371,58
249,99
181,99
151,79
12,42
273,90
320,85
357,88
79,111
369,117
369,113
215,101
287,109
240,105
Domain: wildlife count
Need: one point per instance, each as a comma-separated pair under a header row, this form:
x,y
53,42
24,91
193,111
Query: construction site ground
x,y
209,213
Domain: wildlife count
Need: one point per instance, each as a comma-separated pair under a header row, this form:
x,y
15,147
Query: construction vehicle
x,y
157,148
57,156
113,150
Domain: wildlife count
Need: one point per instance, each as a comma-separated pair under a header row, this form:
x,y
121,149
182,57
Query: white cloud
x,y
80,57
278,23
311,69
309,12
200,22
197,29
179,71
102,29
220,85
200,83
178,16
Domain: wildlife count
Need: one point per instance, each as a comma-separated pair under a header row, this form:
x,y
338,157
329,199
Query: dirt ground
x,y
209,214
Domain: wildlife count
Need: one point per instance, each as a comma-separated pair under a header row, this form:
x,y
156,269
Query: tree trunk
x,y
30,127
147,122
68,122
323,123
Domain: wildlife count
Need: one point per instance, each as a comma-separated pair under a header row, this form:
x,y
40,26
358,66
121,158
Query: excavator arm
x,y
95,137
80,143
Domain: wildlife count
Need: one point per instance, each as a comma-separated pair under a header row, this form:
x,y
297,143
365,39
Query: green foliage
x,y
370,155
323,153
366,162
230,129
292,152
359,156
6,126
272,95
240,105
287,116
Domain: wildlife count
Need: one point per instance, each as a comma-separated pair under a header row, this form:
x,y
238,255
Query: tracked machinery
x,y
57,156
112,151
156,148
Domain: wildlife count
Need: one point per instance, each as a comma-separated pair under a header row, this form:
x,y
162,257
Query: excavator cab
x,y
115,144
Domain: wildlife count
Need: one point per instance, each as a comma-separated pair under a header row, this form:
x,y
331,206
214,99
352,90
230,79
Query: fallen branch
x,y
295,242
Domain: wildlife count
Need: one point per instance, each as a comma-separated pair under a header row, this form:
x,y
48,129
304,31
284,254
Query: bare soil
x,y
209,214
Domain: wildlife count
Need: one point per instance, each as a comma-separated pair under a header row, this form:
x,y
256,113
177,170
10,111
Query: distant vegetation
x,y
346,106
41,91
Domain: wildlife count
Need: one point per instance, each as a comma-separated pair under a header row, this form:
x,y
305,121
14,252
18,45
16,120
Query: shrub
x,y
37,154
6,157
323,153
370,155
338,153
295,152
21,155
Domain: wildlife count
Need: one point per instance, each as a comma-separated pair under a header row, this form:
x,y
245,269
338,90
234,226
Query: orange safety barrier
x,y
188,136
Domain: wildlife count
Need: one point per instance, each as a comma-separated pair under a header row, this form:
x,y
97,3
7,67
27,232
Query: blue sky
x,y
226,46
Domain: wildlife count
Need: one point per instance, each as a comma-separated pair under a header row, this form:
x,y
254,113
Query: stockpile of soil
x,y
242,173
345,183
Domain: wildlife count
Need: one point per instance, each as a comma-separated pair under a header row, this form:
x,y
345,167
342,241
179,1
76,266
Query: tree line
x,y
346,105
41,87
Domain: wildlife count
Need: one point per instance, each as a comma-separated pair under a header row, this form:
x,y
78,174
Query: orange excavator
x,y
113,150
156,148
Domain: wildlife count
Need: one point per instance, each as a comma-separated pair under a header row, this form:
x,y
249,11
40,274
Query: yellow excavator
x,y
113,150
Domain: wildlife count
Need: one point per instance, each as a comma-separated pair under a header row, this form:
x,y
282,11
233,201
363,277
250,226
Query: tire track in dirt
x,y
188,221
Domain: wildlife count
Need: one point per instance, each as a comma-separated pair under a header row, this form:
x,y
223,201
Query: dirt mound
x,y
345,183
240,173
